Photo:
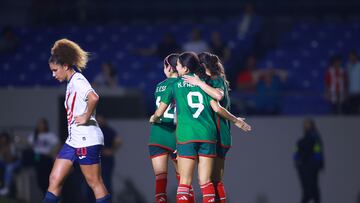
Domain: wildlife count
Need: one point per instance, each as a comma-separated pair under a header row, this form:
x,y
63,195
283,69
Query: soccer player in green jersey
x,y
196,132
217,88
162,141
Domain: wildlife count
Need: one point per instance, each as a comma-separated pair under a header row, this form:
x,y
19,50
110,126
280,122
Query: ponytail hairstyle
x,y
192,62
67,52
214,65
171,61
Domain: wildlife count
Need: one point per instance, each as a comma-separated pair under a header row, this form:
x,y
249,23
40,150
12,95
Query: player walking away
x,y
219,90
85,138
196,130
162,141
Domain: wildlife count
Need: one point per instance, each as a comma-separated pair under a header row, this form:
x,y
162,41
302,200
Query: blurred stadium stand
x,y
303,51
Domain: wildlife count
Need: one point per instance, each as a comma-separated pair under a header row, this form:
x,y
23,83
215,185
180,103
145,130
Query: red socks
x,y
208,192
191,192
220,191
160,188
183,194
191,195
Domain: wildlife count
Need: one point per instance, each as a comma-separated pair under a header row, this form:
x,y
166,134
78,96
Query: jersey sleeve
x,y
83,88
218,83
167,96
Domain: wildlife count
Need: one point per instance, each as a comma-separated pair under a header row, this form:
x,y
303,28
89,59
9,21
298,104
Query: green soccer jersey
x,y
223,125
163,134
195,117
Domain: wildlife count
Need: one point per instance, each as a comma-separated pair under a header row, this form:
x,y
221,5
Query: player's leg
x,y
61,168
59,172
160,166
187,156
89,160
205,168
174,161
217,178
92,174
175,164
207,154
218,173
186,167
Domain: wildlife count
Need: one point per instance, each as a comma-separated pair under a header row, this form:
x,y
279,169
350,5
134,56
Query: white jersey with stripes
x,y
88,134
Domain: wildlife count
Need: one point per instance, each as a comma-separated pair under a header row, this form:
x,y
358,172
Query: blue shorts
x,y
155,151
84,156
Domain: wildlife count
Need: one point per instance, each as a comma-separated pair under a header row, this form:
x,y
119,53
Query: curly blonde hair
x,y
67,52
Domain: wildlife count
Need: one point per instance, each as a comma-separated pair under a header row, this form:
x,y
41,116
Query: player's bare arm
x,y
158,113
221,111
93,99
215,93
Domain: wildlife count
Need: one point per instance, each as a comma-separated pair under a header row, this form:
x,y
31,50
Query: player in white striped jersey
x,y
77,92
85,139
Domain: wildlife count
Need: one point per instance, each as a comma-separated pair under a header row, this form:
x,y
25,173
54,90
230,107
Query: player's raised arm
x,y
215,93
238,122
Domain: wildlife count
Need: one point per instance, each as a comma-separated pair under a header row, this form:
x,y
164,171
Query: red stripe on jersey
x,y
72,109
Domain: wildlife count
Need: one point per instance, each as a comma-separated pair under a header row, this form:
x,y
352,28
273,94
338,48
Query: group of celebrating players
x,y
192,125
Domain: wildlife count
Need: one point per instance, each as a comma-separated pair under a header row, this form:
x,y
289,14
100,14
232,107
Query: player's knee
x,y
203,180
185,180
54,180
160,171
93,182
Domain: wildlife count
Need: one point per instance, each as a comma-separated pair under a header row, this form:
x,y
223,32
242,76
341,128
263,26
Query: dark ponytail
x,y
171,61
214,65
192,62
